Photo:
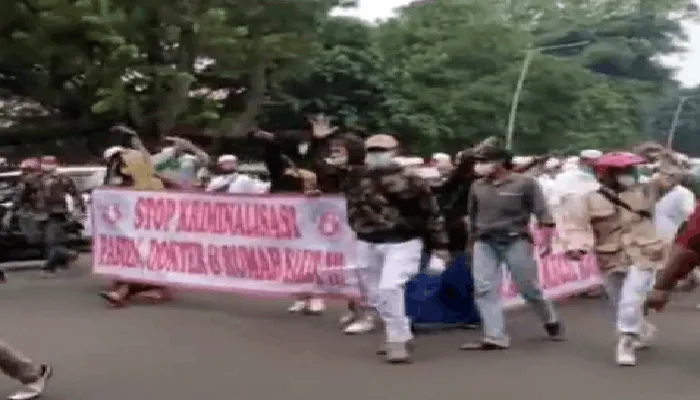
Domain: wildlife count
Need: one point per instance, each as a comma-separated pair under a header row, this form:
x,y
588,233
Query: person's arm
x,y
472,209
132,140
19,196
203,158
73,192
273,158
681,261
538,204
435,222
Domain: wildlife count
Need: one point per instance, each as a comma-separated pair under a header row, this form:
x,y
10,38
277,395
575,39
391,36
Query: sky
x,y
688,64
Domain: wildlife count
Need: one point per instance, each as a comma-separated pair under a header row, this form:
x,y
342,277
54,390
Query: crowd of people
x,y
627,208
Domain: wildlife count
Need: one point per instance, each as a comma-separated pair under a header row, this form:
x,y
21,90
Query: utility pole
x,y
529,55
674,122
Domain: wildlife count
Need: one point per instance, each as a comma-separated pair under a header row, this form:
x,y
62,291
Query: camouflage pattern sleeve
x,y
429,208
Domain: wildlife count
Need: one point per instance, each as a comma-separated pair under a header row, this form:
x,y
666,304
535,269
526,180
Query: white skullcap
x,y
441,157
522,160
591,154
226,158
112,151
552,163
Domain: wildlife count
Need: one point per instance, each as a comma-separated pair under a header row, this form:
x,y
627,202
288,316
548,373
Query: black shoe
x,y
555,330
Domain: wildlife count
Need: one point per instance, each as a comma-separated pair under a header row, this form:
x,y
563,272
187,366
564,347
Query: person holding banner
x,y
281,161
391,211
133,170
500,207
331,163
626,244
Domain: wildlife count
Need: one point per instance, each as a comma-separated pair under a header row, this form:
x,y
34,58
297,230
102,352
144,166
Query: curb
x,y
21,265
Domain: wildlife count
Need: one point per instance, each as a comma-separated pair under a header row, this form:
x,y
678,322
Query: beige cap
x,y
381,141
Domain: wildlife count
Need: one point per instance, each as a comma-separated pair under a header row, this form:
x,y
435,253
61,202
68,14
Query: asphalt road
x,y
223,347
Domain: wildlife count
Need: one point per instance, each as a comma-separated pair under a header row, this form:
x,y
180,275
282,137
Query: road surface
x,y
223,347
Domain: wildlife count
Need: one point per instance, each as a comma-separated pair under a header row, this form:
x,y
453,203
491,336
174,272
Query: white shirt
x,y
672,210
548,185
237,183
576,181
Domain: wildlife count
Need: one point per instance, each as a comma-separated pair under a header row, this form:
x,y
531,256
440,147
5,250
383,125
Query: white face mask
x,y
485,168
303,148
379,159
627,180
337,160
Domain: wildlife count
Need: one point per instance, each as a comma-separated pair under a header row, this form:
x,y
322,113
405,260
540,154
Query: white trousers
x,y
627,292
383,270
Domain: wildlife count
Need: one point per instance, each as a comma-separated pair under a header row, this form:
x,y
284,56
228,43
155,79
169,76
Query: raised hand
x,y
321,126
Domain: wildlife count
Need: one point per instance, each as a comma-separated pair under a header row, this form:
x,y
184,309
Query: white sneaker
x,y
362,325
646,336
315,306
624,352
297,307
348,318
35,389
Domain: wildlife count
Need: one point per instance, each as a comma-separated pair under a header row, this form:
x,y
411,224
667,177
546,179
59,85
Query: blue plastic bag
x,y
440,300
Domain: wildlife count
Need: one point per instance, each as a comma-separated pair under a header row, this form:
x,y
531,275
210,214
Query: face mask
x,y
627,180
485,168
378,159
303,148
337,160
116,180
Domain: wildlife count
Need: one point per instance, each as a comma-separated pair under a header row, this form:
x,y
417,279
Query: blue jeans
x,y
517,256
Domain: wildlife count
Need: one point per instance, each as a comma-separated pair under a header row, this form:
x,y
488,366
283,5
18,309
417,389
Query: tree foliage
x,y
439,75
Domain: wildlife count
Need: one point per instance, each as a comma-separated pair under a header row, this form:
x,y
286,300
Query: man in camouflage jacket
x,y
391,211
44,194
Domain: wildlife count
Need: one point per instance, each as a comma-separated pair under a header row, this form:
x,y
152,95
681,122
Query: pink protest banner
x,y
270,245
559,276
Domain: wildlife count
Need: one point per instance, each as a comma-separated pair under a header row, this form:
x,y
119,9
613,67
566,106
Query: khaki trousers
x,y
15,365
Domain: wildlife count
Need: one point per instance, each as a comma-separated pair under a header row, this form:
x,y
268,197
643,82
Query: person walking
x,y
500,207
